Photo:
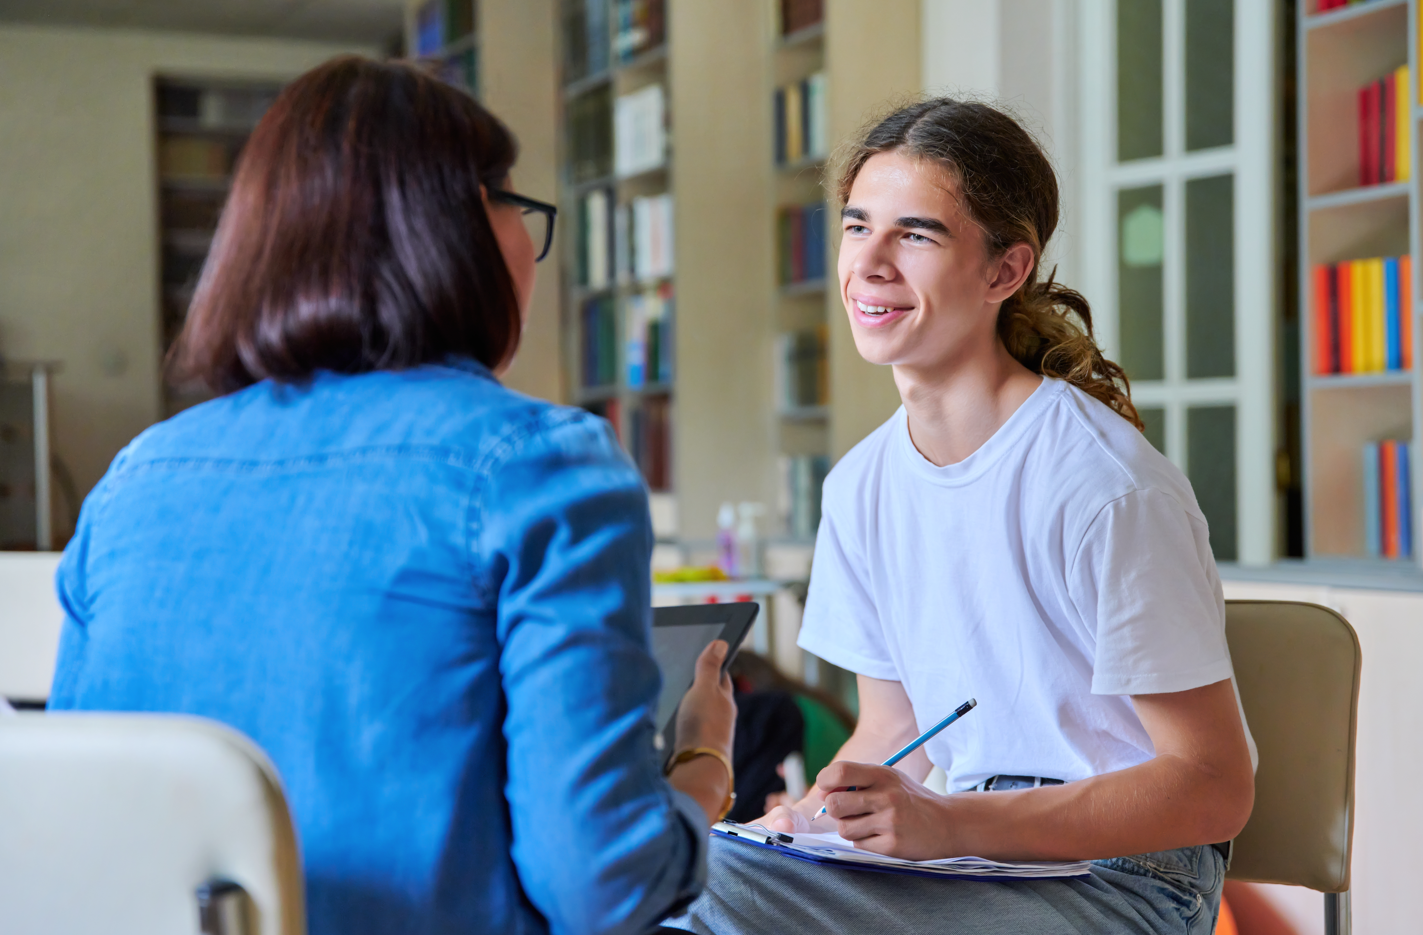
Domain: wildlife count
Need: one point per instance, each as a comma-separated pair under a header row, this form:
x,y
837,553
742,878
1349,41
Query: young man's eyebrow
x,y
925,224
849,213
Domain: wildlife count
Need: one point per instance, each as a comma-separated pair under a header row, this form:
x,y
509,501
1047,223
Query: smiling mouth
x,y
878,309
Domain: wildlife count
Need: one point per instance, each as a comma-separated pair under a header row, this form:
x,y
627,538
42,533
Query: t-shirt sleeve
x,y
1145,584
841,624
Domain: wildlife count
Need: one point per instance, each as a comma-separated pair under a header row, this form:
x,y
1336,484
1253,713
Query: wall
x,y
78,217
518,81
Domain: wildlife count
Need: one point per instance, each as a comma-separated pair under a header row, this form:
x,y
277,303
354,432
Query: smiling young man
x,y
1008,535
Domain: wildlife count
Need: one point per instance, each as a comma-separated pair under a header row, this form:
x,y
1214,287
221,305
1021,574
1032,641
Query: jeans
x,y
752,890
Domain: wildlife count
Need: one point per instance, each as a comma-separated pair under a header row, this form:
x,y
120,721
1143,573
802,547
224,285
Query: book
x,y
1378,346
1326,341
800,14
1402,469
599,342
802,243
1344,309
1405,309
590,144
1403,155
651,230
1392,326
1373,539
800,114
639,131
641,25
1388,500
1383,120
429,28
649,441
595,234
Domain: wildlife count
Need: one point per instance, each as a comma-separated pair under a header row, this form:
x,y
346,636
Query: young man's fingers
x,y
843,774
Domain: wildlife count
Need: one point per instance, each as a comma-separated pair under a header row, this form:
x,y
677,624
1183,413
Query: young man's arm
x,y
1198,789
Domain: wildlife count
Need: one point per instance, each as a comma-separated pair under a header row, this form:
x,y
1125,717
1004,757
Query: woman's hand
x,y
888,813
707,718
707,715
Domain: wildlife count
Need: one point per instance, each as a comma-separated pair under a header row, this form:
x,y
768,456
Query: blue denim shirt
x,y
427,598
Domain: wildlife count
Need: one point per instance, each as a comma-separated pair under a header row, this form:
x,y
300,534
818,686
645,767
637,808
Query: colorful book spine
x,y
1362,315
600,342
647,336
800,115
1388,499
802,239
1385,151
804,371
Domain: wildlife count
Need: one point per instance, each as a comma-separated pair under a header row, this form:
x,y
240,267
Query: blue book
x,y
1405,501
1373,502
1393,334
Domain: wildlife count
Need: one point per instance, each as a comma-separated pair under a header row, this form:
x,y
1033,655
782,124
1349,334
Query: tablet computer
x,y
679,634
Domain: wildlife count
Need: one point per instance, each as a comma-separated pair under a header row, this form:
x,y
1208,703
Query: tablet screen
x,y
676,650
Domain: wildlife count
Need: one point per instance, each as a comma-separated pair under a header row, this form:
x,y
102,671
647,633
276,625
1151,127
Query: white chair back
x,y
112,823
30,620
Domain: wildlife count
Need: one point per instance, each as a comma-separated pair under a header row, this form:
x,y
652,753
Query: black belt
x,y
1007,783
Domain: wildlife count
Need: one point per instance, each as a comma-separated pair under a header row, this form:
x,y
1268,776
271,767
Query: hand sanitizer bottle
x,y
726,540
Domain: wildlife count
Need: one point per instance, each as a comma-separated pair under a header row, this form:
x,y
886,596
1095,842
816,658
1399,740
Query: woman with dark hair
x,y
1008,535
425,596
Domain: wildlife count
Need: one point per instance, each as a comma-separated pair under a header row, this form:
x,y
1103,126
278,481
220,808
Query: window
x,y
1178,182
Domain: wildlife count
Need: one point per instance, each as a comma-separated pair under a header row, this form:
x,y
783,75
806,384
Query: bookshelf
x,y
1357,391
202,126
445,35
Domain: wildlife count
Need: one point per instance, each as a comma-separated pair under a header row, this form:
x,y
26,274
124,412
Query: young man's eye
x,y
856,229
917,238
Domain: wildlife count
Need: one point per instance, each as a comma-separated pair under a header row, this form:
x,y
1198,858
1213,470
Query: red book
x,y
1365,150
1388,498
1322,325
1405,309
1344,315
1388,108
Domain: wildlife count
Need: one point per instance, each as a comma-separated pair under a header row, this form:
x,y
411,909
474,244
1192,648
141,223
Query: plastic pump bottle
x,y
726,540
748,540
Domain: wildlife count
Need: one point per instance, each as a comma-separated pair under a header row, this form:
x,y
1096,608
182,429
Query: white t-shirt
x,y
1061,567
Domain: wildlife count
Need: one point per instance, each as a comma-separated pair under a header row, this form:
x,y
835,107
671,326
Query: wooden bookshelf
x,y
202,126
1339,51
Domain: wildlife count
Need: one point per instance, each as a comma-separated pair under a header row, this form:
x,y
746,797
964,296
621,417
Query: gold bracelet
x,y
692,754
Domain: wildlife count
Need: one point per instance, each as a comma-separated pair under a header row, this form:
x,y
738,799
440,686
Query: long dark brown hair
x,y
1009,189
355,237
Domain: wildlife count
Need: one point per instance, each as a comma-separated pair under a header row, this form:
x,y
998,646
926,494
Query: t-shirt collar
x,y
990,452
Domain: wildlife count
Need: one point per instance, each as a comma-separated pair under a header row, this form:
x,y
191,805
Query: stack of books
x,y
802,238
648,337
802,483
441,22
651,441
641,26
639,132
600,342
1362,315
590,140
800,14
801,121
595,239
1388,501
805,373
1383,129
585,38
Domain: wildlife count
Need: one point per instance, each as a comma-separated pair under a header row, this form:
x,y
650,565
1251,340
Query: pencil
x,y
922,739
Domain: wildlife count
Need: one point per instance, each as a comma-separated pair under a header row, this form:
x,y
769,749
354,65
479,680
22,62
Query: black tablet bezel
x,y
737,619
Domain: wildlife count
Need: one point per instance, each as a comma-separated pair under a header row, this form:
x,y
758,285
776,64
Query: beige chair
x,y
116,823
1298,666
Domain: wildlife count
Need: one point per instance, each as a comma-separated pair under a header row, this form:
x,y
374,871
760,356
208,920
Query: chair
x,y
1297,666
125,824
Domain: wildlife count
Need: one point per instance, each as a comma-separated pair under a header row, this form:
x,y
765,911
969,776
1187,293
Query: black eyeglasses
x,y
538,217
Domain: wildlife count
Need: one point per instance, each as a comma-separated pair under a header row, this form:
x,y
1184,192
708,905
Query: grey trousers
x,y
754,890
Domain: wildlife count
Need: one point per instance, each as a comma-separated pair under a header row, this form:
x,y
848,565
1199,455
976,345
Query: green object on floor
x,y
824,735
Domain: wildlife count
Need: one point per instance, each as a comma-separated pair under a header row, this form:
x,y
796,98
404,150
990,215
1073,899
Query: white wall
x,y
78,216
1017,54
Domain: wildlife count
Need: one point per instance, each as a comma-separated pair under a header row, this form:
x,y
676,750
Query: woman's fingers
x,y
786,820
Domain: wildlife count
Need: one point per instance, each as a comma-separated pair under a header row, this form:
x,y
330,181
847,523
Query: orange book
x,y
1344,302
1323,337
1405,309
1388,499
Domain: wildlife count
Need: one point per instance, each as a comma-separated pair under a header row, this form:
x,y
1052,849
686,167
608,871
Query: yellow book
x,y
1402,126
1358,305
1378,336
795,138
